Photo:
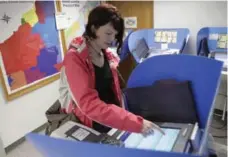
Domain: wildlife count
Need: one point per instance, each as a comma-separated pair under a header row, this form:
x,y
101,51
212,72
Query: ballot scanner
x,y
177,137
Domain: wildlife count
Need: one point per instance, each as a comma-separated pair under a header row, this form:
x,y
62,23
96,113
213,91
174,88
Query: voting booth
x,y
50,147
145,43
216,38
212,43
185,67
125,49
179,138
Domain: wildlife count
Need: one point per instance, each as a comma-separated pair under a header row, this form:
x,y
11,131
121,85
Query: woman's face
x,y
105,36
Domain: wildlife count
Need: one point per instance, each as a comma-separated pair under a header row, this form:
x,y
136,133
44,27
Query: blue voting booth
x,y
204,74
207,40
212,43
159,39
50,147
125,49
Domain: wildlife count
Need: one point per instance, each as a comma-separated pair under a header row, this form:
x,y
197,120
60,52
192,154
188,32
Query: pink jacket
x,y
77,83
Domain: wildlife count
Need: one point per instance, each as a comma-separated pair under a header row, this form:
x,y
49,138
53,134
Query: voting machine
x,y
176,139
178,136
212,43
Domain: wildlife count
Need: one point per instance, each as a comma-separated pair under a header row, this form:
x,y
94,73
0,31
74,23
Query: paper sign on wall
x,y
130,22
63,21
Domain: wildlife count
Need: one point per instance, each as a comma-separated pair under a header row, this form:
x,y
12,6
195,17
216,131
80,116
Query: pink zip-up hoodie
x,y
77,84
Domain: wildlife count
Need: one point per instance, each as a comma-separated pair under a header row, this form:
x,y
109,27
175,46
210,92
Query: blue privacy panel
x,y
50,147
125,49
149,36
204,74
212,43
203,33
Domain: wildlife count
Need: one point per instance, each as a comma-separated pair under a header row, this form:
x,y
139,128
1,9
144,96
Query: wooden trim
x,y
59,8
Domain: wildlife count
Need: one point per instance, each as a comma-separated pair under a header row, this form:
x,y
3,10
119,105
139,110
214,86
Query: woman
x,y
89,80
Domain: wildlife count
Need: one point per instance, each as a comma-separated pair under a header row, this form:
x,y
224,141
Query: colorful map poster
x,y
30,46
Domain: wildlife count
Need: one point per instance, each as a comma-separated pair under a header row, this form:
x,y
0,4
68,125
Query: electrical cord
x,y
215,136
224,125
220,127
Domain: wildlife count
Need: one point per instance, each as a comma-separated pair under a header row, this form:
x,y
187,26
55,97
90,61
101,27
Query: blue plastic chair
x,y
204,74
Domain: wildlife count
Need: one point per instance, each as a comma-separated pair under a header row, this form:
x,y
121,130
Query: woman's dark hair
x,y
101,15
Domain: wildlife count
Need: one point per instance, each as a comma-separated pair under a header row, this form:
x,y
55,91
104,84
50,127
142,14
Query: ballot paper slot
x,y
176,138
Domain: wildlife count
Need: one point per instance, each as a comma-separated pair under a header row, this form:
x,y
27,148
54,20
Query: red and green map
x,y
32,52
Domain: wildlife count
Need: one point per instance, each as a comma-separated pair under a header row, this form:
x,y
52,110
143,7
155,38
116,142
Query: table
x,y
60,132
157,52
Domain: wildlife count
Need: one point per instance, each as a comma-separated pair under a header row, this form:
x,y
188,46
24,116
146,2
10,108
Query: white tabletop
x,y
224,73
158,52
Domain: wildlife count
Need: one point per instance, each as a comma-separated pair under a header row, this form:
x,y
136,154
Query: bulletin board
x,y
31,47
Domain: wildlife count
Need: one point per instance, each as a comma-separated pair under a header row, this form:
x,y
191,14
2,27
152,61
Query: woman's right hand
x,y
149,127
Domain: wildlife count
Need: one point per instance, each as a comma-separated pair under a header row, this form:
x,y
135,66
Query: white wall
x,y
22,115
2,150
190,14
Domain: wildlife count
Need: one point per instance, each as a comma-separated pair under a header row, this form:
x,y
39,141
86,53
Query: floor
x,y
24,150
218,129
